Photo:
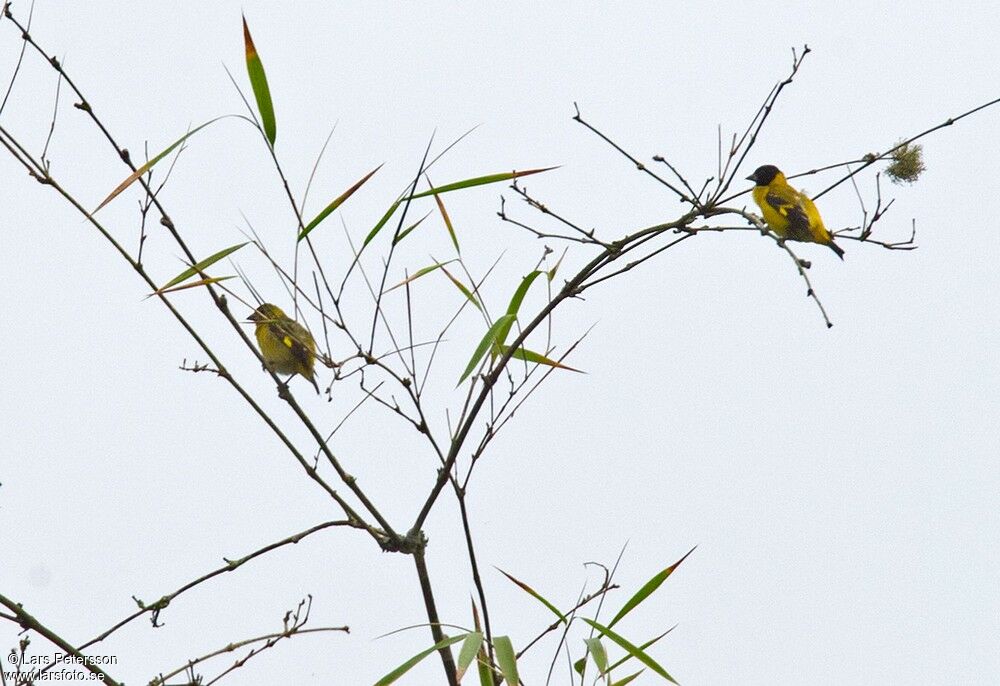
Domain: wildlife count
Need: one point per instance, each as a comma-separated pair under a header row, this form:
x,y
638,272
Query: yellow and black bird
x,y
788,212
286,346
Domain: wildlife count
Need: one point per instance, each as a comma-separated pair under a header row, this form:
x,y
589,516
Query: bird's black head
x,y
266,312
764,175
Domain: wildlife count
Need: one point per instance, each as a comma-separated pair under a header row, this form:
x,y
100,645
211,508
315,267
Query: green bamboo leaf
x,y
489,340
522,290
642,647
536,358
598,653
470,648
462,287
647,589
580,665
392,676
417,274
479,181
200,266
381,222
482,663
445,217
534,594
552,272
406,232
338,201
485,673
258,80
193,284
149,165
515,305
628,679
506,659
632,650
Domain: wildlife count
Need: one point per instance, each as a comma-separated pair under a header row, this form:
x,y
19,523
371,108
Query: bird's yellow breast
x,y
775,220
276,352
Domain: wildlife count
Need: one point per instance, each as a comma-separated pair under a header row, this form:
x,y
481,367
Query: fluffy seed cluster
x,y
907,164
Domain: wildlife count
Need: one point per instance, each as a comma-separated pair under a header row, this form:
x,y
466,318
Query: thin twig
x,y
869,160
638,165
24,47
231,566
745,145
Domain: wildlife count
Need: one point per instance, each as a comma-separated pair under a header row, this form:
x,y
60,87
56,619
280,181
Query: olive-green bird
x,y
788,212
286,346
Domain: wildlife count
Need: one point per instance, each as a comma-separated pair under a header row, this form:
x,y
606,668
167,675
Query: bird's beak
x,y
751,178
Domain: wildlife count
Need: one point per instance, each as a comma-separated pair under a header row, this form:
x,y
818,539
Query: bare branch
x,y
27,621
638,165
231,566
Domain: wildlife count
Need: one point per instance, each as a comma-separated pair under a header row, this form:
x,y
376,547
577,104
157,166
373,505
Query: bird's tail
x,y
312,379
836,248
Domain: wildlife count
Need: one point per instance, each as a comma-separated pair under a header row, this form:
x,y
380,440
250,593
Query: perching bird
x,y
788,212
286,345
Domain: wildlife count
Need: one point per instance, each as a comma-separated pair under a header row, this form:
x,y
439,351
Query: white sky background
x,y
841,485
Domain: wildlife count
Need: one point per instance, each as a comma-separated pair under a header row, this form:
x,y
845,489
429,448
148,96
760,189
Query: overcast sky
x,y
841,485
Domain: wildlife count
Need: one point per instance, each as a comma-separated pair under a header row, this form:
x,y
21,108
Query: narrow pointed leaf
x,y
598,653
258,81
479,181
381,222
536,358
482,662
534,594
580,665
193,284
485,673
446,218
506,659
489,340
632,650
552,272
642,647
647,589
629,679
336,203
522,290
475,615
417,274
470,648
462,287
406,232
201,266
515,304
392,676
149,165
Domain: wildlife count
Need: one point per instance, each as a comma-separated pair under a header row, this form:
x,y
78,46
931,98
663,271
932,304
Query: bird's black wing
x,y
791,208
292,340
